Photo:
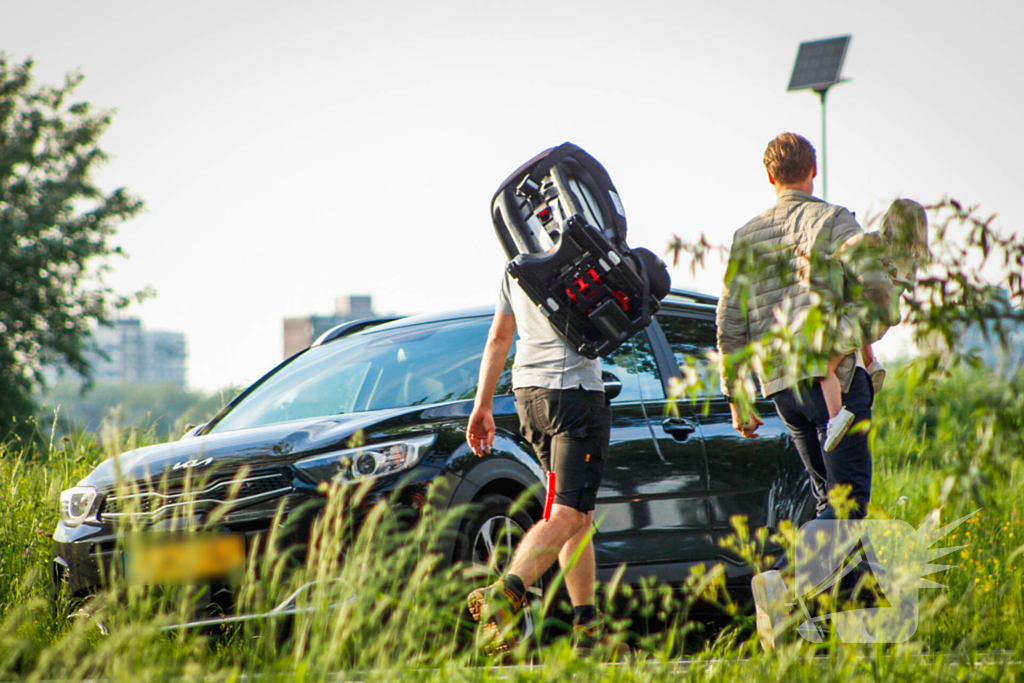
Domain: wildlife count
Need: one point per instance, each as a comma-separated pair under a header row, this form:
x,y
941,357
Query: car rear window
x,y
690,339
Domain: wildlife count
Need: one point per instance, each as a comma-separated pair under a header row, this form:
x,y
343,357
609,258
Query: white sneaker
x,y
877,373
837,427
770,605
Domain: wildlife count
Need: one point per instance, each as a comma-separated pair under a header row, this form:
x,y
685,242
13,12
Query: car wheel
x,y
488,540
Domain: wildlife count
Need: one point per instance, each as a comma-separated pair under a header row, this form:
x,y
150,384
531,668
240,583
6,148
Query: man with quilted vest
x,y
800,232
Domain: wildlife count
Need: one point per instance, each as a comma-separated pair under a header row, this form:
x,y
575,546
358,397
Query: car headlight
x,y
367,462
76,504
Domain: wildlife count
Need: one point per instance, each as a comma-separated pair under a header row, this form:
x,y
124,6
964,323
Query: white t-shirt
x,y
542,358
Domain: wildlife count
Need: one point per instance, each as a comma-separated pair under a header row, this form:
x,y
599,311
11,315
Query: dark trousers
x,y
805,415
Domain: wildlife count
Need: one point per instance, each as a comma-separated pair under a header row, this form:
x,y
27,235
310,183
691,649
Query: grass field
x,y
952,443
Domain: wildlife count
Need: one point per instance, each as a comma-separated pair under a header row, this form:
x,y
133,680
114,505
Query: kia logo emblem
x,y
191,463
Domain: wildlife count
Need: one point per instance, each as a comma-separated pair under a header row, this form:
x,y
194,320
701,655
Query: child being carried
x,y
903,239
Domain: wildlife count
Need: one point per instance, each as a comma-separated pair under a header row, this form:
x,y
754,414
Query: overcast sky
x,y
289,153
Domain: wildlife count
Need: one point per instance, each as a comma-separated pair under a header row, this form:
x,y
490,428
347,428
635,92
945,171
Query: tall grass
x,y
384,606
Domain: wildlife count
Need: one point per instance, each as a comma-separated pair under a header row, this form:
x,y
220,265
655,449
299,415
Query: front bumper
x,y
87,557
81,557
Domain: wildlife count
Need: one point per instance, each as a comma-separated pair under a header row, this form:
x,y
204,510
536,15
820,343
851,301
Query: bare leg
x,y
536,553
541,545
580,577
831,388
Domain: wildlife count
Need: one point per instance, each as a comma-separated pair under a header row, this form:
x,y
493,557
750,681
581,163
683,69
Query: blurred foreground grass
x,y
953,444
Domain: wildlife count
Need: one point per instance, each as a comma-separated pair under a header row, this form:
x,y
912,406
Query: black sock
x,y
584,614
514,585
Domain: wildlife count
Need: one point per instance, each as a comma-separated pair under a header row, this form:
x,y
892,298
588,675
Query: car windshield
x,y
407,366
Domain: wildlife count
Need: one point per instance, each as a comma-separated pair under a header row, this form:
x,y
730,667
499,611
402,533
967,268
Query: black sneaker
x,y
592,636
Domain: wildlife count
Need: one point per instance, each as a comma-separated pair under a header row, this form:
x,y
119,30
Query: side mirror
x,y
612,385
191,430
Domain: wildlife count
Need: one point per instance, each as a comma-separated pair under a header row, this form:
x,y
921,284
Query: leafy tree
x,y
56,228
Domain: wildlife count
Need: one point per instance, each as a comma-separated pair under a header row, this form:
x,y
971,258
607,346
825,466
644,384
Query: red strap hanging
x,y
549,500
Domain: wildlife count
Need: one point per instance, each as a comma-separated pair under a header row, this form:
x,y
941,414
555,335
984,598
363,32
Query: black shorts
x,y
569,430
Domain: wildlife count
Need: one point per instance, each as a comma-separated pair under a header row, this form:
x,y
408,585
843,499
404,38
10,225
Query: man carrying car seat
x,y
575,290
564,414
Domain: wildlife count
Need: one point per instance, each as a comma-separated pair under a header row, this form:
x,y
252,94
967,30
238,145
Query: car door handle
x,y
679,428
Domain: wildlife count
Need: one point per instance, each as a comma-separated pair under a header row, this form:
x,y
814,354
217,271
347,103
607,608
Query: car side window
x,y
633,364
690,340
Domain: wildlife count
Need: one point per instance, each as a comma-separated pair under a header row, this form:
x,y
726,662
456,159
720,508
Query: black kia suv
x,y
405,387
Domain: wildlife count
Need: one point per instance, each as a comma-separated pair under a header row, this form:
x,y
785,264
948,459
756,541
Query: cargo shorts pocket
x,y
565,416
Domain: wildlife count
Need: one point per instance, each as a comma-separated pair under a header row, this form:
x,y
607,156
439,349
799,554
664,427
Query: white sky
x,y
289,153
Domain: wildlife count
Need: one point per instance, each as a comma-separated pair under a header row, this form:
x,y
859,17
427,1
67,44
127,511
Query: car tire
x,y
490,534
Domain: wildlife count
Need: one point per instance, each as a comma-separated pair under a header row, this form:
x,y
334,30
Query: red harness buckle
x,y
623,299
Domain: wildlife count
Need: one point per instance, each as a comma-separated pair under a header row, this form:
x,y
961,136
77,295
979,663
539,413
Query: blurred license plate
x,y
184,558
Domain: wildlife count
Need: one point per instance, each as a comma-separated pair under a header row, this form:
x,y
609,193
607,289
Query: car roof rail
x,y
345,329
696,297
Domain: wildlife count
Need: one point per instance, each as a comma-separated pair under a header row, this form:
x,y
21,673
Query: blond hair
x,y
905,229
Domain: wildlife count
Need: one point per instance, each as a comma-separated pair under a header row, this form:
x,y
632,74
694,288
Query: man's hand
x,y
747,429
480,431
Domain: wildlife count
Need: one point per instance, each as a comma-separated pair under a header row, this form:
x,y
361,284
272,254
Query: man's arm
x,y
480,430
731,323
733,330
844,228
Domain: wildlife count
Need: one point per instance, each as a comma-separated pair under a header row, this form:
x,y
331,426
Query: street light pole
x,y
824,159
818,66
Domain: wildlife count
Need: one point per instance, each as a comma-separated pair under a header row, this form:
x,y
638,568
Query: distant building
x,y
299,333
129,354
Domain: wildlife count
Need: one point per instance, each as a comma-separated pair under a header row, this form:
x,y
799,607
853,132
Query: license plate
x,y
184,558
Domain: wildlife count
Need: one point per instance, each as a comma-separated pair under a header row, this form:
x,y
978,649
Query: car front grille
x,y
148,503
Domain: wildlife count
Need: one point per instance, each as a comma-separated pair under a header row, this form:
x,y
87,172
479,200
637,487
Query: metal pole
x,y
824,159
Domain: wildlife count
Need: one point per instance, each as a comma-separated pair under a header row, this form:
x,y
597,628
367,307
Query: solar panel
x,y
818,64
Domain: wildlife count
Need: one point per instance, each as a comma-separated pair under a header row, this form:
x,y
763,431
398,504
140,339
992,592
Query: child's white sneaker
x,y
837,427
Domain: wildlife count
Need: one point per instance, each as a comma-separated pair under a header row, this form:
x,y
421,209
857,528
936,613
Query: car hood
x,y
279,443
